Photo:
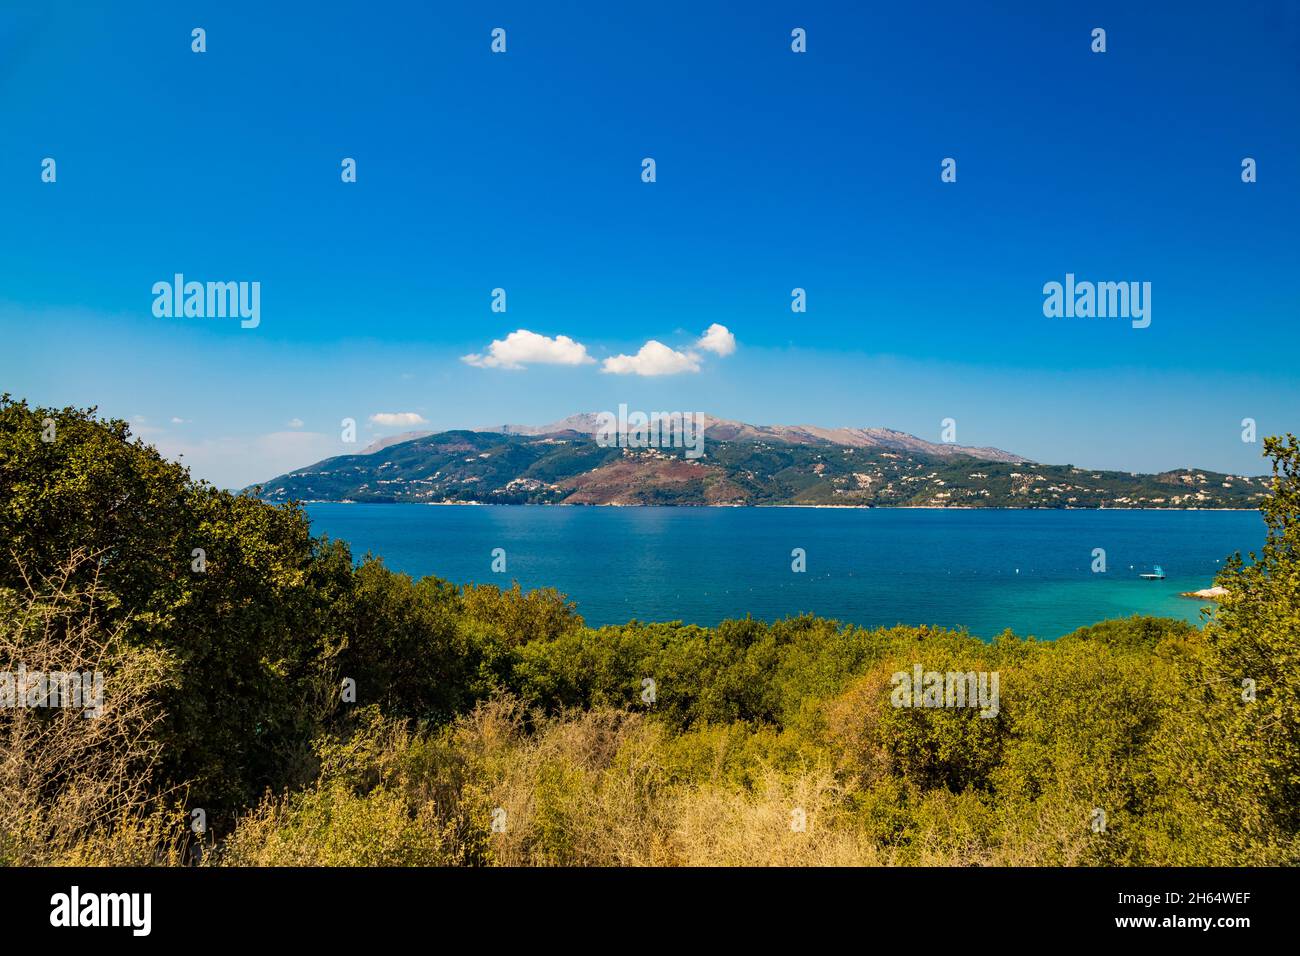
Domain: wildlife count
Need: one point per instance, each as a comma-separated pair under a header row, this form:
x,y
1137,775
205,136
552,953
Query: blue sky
x,y
775,170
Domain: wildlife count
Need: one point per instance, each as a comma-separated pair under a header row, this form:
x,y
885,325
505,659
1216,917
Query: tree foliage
x,y
469,700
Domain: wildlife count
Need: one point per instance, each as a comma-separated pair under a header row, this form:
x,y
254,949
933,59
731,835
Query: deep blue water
x,y
984,570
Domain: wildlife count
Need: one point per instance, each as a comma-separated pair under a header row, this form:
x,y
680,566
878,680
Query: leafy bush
x,y
494,727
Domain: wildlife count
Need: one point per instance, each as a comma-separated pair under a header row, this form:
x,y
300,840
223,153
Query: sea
x,y
1035,572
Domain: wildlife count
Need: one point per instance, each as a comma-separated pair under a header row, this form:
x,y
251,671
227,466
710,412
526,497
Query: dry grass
x,y
78,788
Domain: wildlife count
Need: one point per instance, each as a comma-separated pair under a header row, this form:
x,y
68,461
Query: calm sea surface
x,y
985,570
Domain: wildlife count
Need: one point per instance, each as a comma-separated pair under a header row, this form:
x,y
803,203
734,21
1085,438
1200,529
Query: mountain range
x,y
742,464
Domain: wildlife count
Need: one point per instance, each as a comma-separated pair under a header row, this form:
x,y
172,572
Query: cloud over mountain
x,y
522,348
654,358
718,340
395,419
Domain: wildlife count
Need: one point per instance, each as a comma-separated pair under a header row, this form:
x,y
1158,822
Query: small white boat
x,y
1155,574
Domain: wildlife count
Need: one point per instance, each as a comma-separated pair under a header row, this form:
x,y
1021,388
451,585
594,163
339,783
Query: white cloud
x,y
295,423
718,340
180,421
654,358
395,419
521,347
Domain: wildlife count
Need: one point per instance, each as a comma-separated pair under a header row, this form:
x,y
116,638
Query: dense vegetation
x,y
464,466
494,727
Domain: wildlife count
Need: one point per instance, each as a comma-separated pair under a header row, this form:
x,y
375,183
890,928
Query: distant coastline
x,y
686,506
744,466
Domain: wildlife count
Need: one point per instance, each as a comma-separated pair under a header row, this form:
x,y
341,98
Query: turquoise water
x,y
984,570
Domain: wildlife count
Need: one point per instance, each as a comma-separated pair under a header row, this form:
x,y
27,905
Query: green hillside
x,y
488,467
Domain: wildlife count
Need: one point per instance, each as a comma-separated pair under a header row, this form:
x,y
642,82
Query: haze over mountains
x,y
722,429
742,464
